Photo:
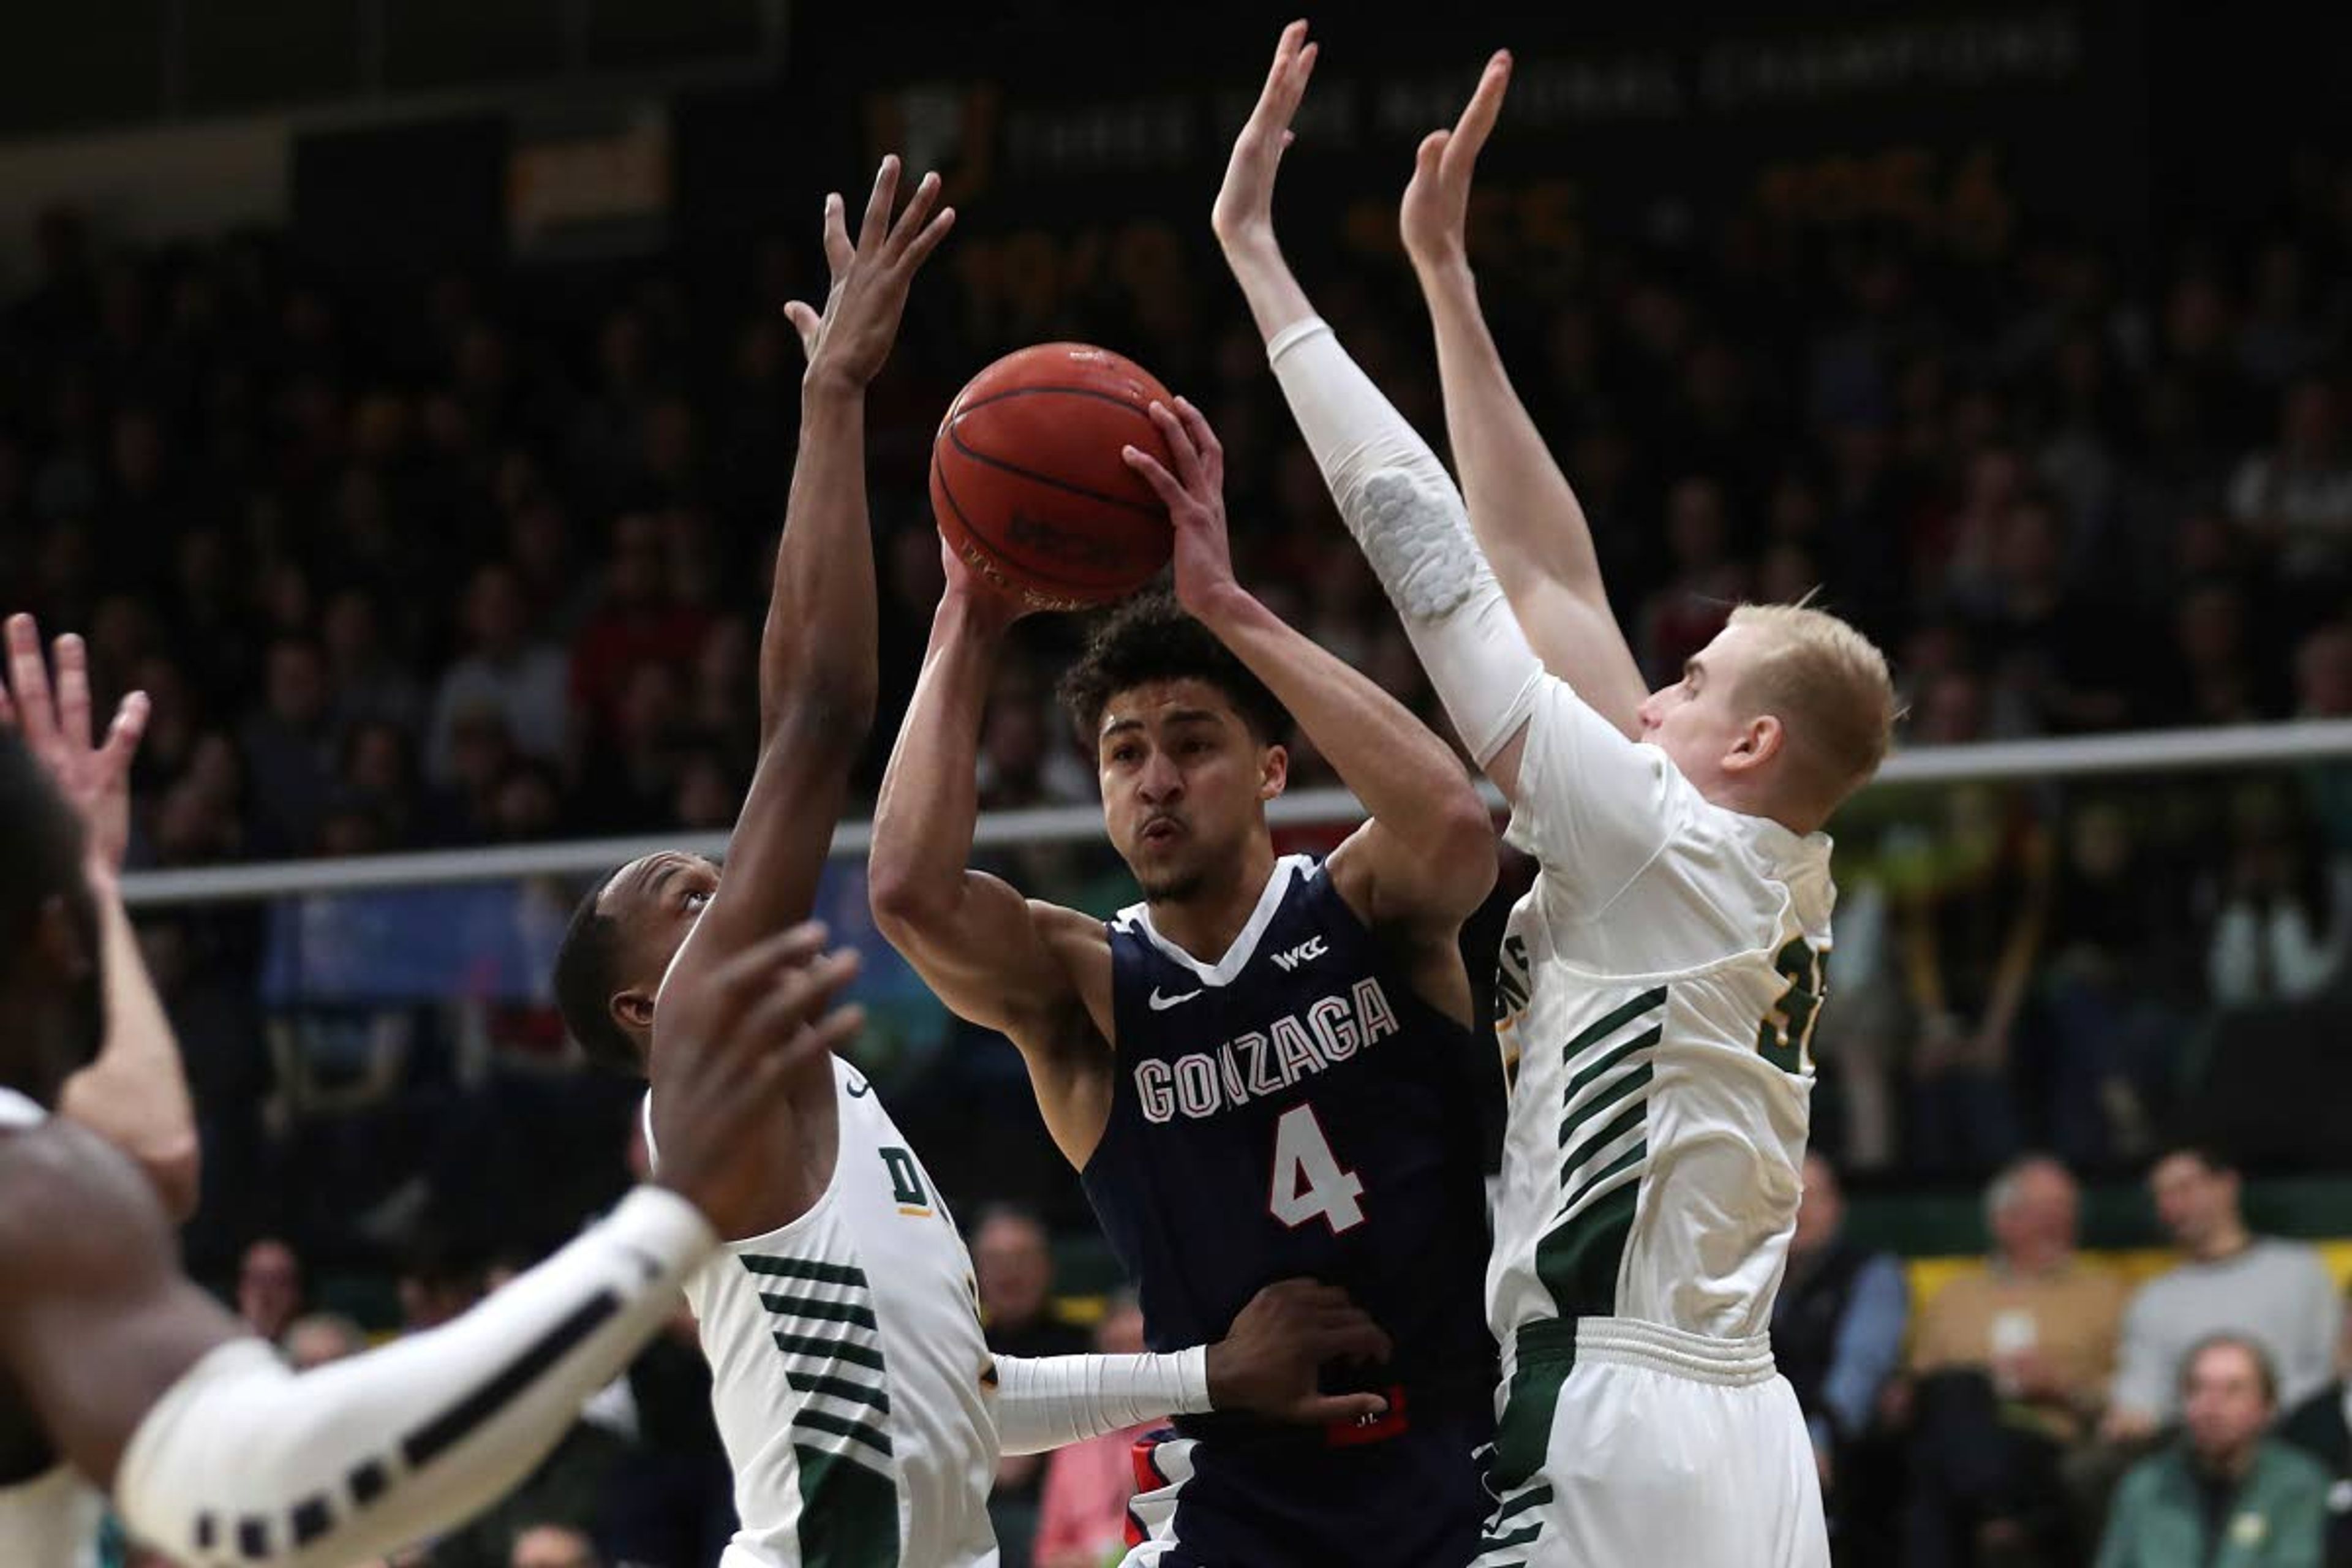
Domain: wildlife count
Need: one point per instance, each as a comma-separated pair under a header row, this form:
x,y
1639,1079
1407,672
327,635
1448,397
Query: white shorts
x,y
1655,1449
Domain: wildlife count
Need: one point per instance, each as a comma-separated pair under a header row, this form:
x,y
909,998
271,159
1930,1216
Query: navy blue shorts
x,y
1300,1498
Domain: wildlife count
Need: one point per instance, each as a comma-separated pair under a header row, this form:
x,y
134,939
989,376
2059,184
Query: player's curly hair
x,y
1151,637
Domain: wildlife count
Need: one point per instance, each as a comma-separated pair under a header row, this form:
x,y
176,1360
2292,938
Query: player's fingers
x,y
1477,122
1353,1342
839,1029
1278,74
1204,438
72,660
839,252
29,678
1430,155
1325,1408
1180,445
922,245
909,222
788,949
805,322
122,736
1164,483
875,227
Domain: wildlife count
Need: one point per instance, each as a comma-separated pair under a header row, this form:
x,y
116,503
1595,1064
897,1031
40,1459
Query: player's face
x,y
657,900
1697,720
1183,782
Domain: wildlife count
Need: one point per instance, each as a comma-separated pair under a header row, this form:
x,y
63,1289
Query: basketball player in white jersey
x,y
1659,983
858,1403
117,1372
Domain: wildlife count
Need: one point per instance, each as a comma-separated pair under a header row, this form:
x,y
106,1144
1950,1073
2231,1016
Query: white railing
x,y
2166,751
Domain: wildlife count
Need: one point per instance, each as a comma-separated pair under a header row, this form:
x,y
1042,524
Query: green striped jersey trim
x,y
803,1269
848,1351
1616,1018
838,1388
856,1431
821,1311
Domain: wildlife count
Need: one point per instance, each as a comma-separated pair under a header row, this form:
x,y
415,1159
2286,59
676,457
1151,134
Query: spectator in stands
x,y
1837,1326
2222,1495
319,1338
639,622
2296,496
1974,905
2112,991
2277,1294
1013,1258
288,748
1082,1520
2285,916
268,1287
2322,1427
2009,1369
506,672
436,1284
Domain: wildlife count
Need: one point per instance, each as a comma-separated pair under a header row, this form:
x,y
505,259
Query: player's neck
x,y
1205,921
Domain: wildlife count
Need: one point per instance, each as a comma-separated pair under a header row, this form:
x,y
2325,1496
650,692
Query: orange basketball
x,y
1028,485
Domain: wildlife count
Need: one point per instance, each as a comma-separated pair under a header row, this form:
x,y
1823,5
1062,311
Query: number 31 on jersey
x,y
1309,1183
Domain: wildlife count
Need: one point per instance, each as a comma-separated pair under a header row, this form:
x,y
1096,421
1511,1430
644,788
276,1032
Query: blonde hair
x,y
1828,684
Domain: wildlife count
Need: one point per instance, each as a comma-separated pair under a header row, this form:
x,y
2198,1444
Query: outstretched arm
x,y
818,663
1392,491
135,1095
995,957
1426,858
1266,1362
1525,515
215,1452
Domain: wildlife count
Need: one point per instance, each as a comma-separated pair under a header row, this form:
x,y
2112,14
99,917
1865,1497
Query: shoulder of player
x,y
74,1203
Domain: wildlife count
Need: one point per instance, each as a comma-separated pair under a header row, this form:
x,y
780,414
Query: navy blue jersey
x,y
1297,1109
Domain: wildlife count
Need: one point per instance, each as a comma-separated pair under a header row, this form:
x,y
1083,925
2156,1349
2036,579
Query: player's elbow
x,y
1462,847
908,906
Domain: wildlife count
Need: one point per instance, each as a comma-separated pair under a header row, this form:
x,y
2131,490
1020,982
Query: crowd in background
x,y
484,562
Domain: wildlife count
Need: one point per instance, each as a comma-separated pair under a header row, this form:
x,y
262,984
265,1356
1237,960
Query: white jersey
x,y
852,1387
1657,992
48,1520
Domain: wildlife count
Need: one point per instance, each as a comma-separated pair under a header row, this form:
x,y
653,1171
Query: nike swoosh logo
x,y
1162,1003
859,1089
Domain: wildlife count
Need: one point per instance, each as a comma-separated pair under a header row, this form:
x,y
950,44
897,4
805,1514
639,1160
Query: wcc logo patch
x,y
1306,951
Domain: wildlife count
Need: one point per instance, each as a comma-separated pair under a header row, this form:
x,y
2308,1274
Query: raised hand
x,y
726,1053
95,778
851,337
1270,1360
1245,211
1194,496
1437,200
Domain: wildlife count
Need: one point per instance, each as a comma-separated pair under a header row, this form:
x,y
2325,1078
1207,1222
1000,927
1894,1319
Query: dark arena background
x,y
398,392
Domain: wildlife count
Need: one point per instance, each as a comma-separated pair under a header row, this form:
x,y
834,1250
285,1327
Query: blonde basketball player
x,y
1660,979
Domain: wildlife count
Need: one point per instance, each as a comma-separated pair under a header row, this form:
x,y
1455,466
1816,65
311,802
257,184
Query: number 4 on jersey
x,y
1307,1181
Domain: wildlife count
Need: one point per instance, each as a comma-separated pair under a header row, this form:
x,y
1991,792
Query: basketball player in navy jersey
x,y
1263,1068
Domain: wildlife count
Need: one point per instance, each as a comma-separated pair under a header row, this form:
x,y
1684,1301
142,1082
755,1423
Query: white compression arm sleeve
x,y
1044,1402
1402,507
243,1463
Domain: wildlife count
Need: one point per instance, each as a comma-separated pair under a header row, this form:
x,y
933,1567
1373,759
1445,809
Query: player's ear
x,y
632,1009
1760,740
1274,772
